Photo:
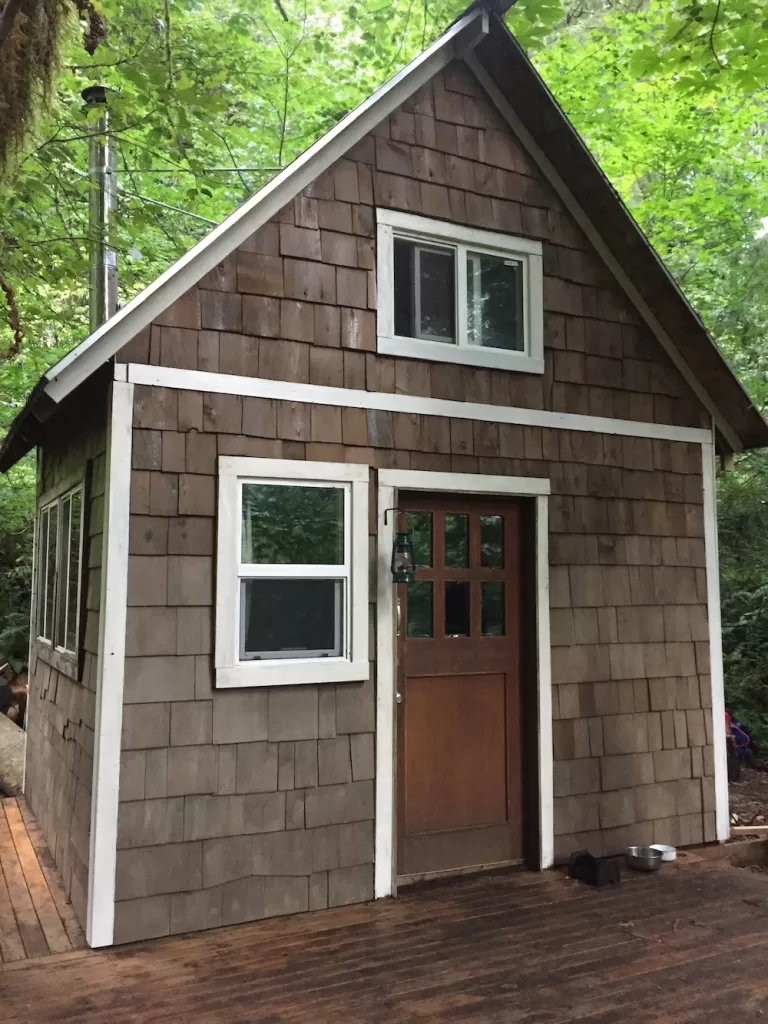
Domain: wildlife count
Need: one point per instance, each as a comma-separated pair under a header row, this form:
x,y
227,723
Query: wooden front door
x,y
458,681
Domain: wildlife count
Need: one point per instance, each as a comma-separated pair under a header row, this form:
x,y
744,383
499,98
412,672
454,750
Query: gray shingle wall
x,y
62,700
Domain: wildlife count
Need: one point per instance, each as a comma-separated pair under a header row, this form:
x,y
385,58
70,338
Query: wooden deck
x,y
35,918
689,946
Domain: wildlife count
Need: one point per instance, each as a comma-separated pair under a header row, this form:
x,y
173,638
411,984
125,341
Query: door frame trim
x,y
390,481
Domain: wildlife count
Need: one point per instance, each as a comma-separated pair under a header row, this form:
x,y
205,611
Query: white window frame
x,y
393,224
48,632
353,665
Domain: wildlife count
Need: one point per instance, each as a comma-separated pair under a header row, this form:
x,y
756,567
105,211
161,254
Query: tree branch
x,y
712,37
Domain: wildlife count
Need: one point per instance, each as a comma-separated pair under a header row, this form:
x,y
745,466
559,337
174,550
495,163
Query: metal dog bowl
x,y
668,853
643,858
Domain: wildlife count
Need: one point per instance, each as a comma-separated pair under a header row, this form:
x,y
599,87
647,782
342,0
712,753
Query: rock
x,y
12,745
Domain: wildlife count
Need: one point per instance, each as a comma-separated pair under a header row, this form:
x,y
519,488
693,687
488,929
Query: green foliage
x,y
743,520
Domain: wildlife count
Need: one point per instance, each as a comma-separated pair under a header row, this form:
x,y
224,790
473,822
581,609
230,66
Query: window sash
x,y
58,609
341,633
462,263
261,570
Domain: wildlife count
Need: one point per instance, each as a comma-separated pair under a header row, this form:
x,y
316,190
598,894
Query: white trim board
x,y
389,483
288,391
81,362
717,679
592,233
110,673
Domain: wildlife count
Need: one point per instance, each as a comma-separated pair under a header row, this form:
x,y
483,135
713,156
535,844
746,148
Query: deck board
x,y
686,947
35,918
52,877
42,900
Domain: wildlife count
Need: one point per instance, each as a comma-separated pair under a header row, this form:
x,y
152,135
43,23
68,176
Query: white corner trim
x,y
353,665
317,394
390,481
593,234
544,658
75,367
110,672
722,812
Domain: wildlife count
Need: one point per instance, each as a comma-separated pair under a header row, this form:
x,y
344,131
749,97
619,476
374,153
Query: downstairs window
x,y
292,572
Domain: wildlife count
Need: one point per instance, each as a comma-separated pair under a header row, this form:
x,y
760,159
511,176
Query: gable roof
x,y
482,39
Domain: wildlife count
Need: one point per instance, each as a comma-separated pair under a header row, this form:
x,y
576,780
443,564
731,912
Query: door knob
x,y
399,697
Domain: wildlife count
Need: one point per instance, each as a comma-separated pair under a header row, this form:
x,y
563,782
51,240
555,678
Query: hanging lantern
x,y
402,553
402,558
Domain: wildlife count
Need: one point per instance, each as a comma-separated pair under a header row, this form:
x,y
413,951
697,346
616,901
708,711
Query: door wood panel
x,y
459,727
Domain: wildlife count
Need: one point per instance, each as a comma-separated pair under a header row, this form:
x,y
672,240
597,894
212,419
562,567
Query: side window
x,y
60,547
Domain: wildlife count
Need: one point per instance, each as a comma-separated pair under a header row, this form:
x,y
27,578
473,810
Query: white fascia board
x,y
83,360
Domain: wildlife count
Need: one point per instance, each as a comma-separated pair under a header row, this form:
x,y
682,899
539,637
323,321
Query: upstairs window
x,y
456,294
59,560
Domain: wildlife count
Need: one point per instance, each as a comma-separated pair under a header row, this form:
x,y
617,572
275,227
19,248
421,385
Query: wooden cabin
x,y
435,347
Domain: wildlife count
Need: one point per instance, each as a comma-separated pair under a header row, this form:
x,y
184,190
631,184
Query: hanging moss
x,y
28,57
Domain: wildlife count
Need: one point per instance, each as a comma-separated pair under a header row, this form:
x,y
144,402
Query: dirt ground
x,y
749,796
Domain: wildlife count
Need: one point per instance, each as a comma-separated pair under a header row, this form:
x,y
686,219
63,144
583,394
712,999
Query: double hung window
x,y
292,572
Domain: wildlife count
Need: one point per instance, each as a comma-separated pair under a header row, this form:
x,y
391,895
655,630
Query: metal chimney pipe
x,y
102,174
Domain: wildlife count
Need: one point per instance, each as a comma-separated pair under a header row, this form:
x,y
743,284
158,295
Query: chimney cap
x,y
95,95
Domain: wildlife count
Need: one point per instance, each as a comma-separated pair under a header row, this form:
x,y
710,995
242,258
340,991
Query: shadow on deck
x,y
688,946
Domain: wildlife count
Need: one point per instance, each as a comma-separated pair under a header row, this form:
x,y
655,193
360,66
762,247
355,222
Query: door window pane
x,y
420,529
419,609
456,541
495,302
282,618
492,609
425,291
457,608
293,525
492,542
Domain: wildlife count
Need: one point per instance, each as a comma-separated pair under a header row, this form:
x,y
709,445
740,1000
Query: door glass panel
x,y
420,529
419,610
492,542
492,609
456,541
457,608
